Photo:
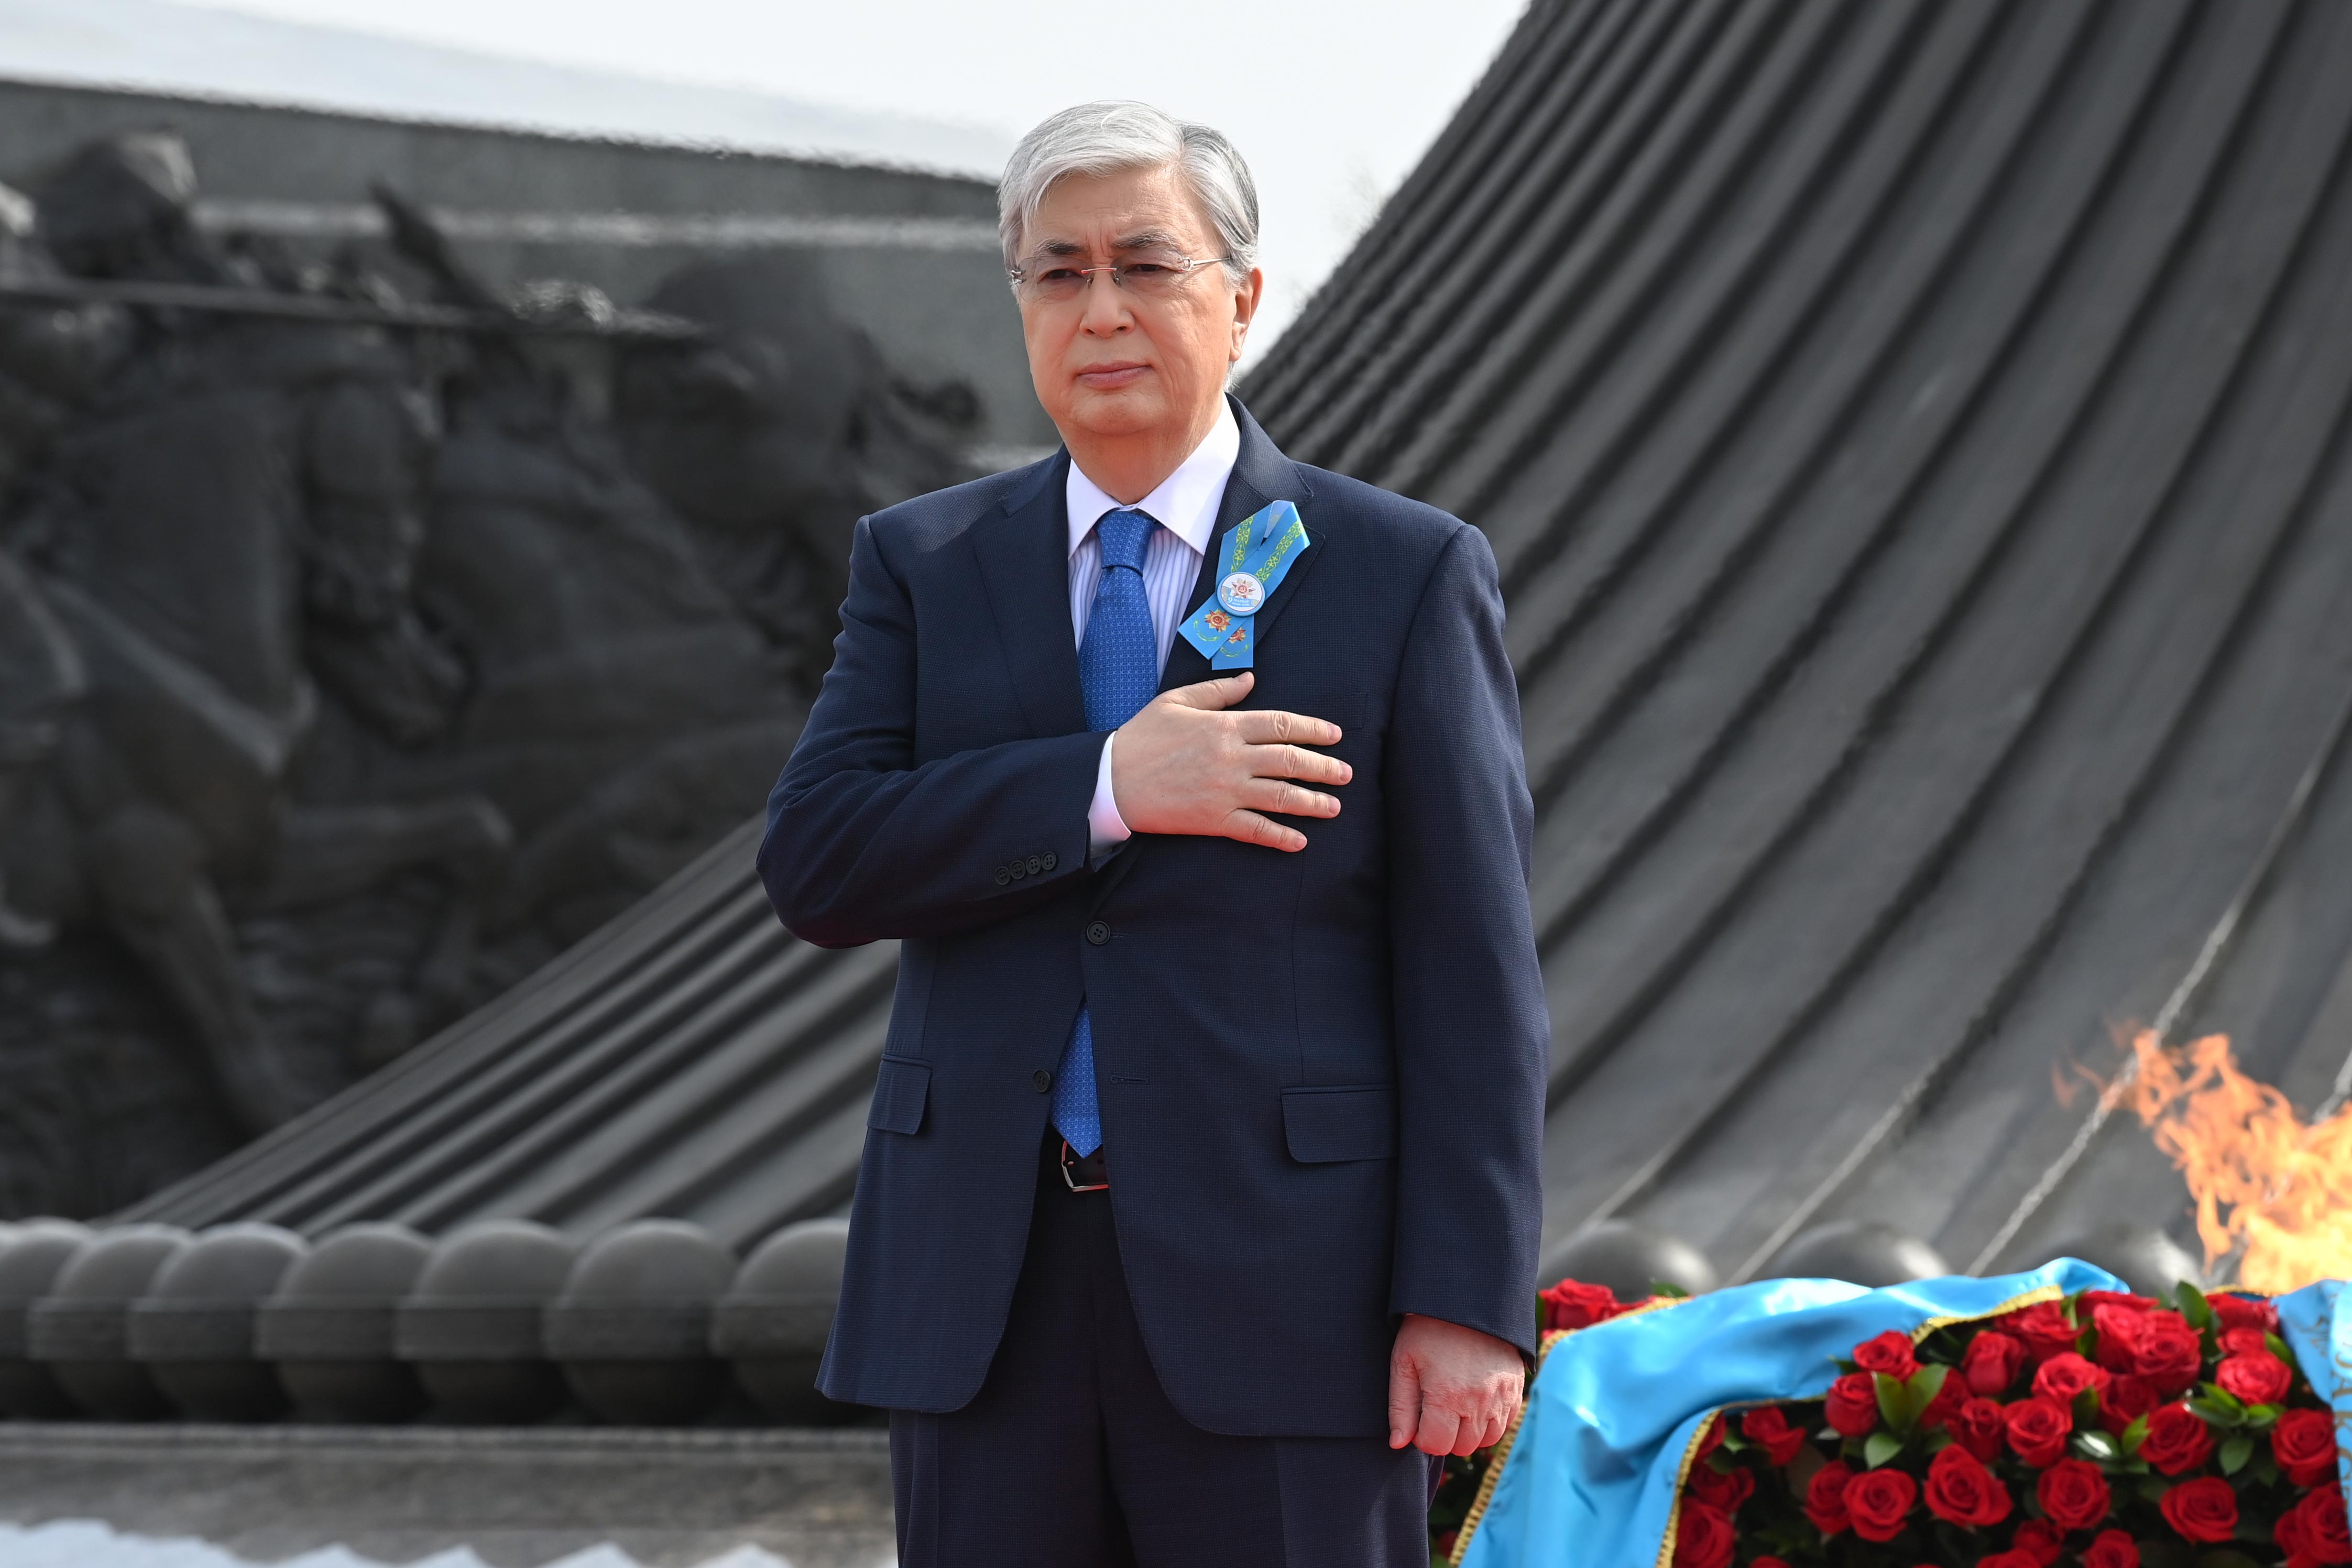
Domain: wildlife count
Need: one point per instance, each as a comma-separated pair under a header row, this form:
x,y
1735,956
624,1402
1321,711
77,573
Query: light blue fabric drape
x,y
1590,1481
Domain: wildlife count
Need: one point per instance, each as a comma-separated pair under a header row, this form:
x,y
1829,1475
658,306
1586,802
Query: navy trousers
x,y
1071,1456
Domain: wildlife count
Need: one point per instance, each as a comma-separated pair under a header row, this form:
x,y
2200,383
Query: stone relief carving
x,y
348,670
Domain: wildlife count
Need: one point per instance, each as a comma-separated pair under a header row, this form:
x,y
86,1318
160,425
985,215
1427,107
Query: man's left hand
x,y
1451,1390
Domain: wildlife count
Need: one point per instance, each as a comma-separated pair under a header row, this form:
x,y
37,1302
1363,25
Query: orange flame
x,y
2269,1188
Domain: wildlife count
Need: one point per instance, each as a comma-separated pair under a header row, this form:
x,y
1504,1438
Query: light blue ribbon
x,y
1592,1478
1264,546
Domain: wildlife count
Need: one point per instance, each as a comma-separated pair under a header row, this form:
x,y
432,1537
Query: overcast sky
x,y
1330,101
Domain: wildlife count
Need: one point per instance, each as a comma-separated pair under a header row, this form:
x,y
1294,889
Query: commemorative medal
x,y
1256,553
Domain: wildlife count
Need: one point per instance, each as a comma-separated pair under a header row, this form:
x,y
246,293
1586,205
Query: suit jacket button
x,y
1036,864
1042,1081
1018,870
1004,875
1098,933
1049,860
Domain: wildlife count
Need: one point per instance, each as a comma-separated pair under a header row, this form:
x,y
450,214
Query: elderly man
x,y
1199,1206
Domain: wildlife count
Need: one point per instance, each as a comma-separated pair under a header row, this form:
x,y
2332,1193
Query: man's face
x,y
1118,361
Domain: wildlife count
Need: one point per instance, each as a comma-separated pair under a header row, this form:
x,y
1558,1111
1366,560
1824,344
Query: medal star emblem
x,y
1218,620
1241,593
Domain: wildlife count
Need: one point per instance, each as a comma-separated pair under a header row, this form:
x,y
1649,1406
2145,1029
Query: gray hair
x,y
1105,137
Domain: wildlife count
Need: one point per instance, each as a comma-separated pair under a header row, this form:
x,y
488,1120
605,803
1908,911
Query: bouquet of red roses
x,y
2108,1428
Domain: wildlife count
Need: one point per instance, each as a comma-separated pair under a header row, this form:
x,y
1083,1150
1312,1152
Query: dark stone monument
x,y
368,635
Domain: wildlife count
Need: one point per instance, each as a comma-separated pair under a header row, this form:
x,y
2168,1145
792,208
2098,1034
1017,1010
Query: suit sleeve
x,y
1473,1032
863,843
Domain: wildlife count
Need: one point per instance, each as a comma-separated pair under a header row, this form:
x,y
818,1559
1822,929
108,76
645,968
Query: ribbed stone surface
x,y
472,1327
633,1325
194,1328
329,1328
1629,1259
29,1266
1859,1252
82,1328
774,1320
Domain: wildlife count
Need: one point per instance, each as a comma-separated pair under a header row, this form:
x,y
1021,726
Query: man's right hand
x,y
1184,764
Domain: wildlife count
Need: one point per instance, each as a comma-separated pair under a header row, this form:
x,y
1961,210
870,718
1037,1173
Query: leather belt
x,y
1084,1173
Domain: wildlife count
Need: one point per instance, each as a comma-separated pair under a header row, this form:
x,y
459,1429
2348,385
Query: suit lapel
x,y
1023,558
1262,475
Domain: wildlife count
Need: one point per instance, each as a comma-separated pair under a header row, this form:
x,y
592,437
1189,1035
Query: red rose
x,y
1961,1491
2042,1538
2073,1494
2038,1429
2313,1531
2119,1336
1979,1426
2262,1379
1826,1496
2166,1351
1878,1502
2092,1301
2065,1375
1703,1538
1767,1563
1992,1362
1725,1489
2178,1439
1950,1394
1711,1439
2042,1328
1852,1405
2127,1399
2244,1341
2245,1312
2303,1444
2111,1549
1768,1427
2204,1510
1889,1353
2015,1557
1574,1304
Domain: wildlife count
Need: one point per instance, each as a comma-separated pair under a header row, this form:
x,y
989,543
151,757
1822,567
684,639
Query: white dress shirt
x,y
1185,506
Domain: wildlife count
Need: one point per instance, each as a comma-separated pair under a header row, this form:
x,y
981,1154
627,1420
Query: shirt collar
x,y
1185,503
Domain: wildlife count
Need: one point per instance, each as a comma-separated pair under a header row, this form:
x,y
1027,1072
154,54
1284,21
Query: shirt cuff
x,y
1106,829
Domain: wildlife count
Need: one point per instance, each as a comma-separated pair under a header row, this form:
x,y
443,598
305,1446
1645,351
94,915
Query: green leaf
x,y
2097,1446
2086,1407
2278,1348
2224,1398
2262,1418
2266,1470
1894,1404
1879,1447
1926,1382
2235,1451
1732,1441
1828,1435
1668,1290
2151,1488
2193,1305
2136,1433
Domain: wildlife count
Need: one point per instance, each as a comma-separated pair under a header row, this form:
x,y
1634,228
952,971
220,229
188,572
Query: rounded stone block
x,y
194,1328
472,1326
82,1329
328,1329
1859,1251
772,1323
29,1267
633,1326
2140,1255
1629,1258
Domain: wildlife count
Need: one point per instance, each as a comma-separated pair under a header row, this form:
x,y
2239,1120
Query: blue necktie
x,y
1118,671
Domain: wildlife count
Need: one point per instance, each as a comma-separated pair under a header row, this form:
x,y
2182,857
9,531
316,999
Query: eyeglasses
x,y
1152,273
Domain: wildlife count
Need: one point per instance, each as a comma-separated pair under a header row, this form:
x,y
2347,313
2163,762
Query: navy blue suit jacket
x,y
1321,1074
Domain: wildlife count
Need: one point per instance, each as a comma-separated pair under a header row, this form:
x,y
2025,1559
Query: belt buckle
x,y
1071,1181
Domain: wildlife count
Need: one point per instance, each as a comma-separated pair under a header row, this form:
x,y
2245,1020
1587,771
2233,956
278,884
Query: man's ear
x,y
1247,300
